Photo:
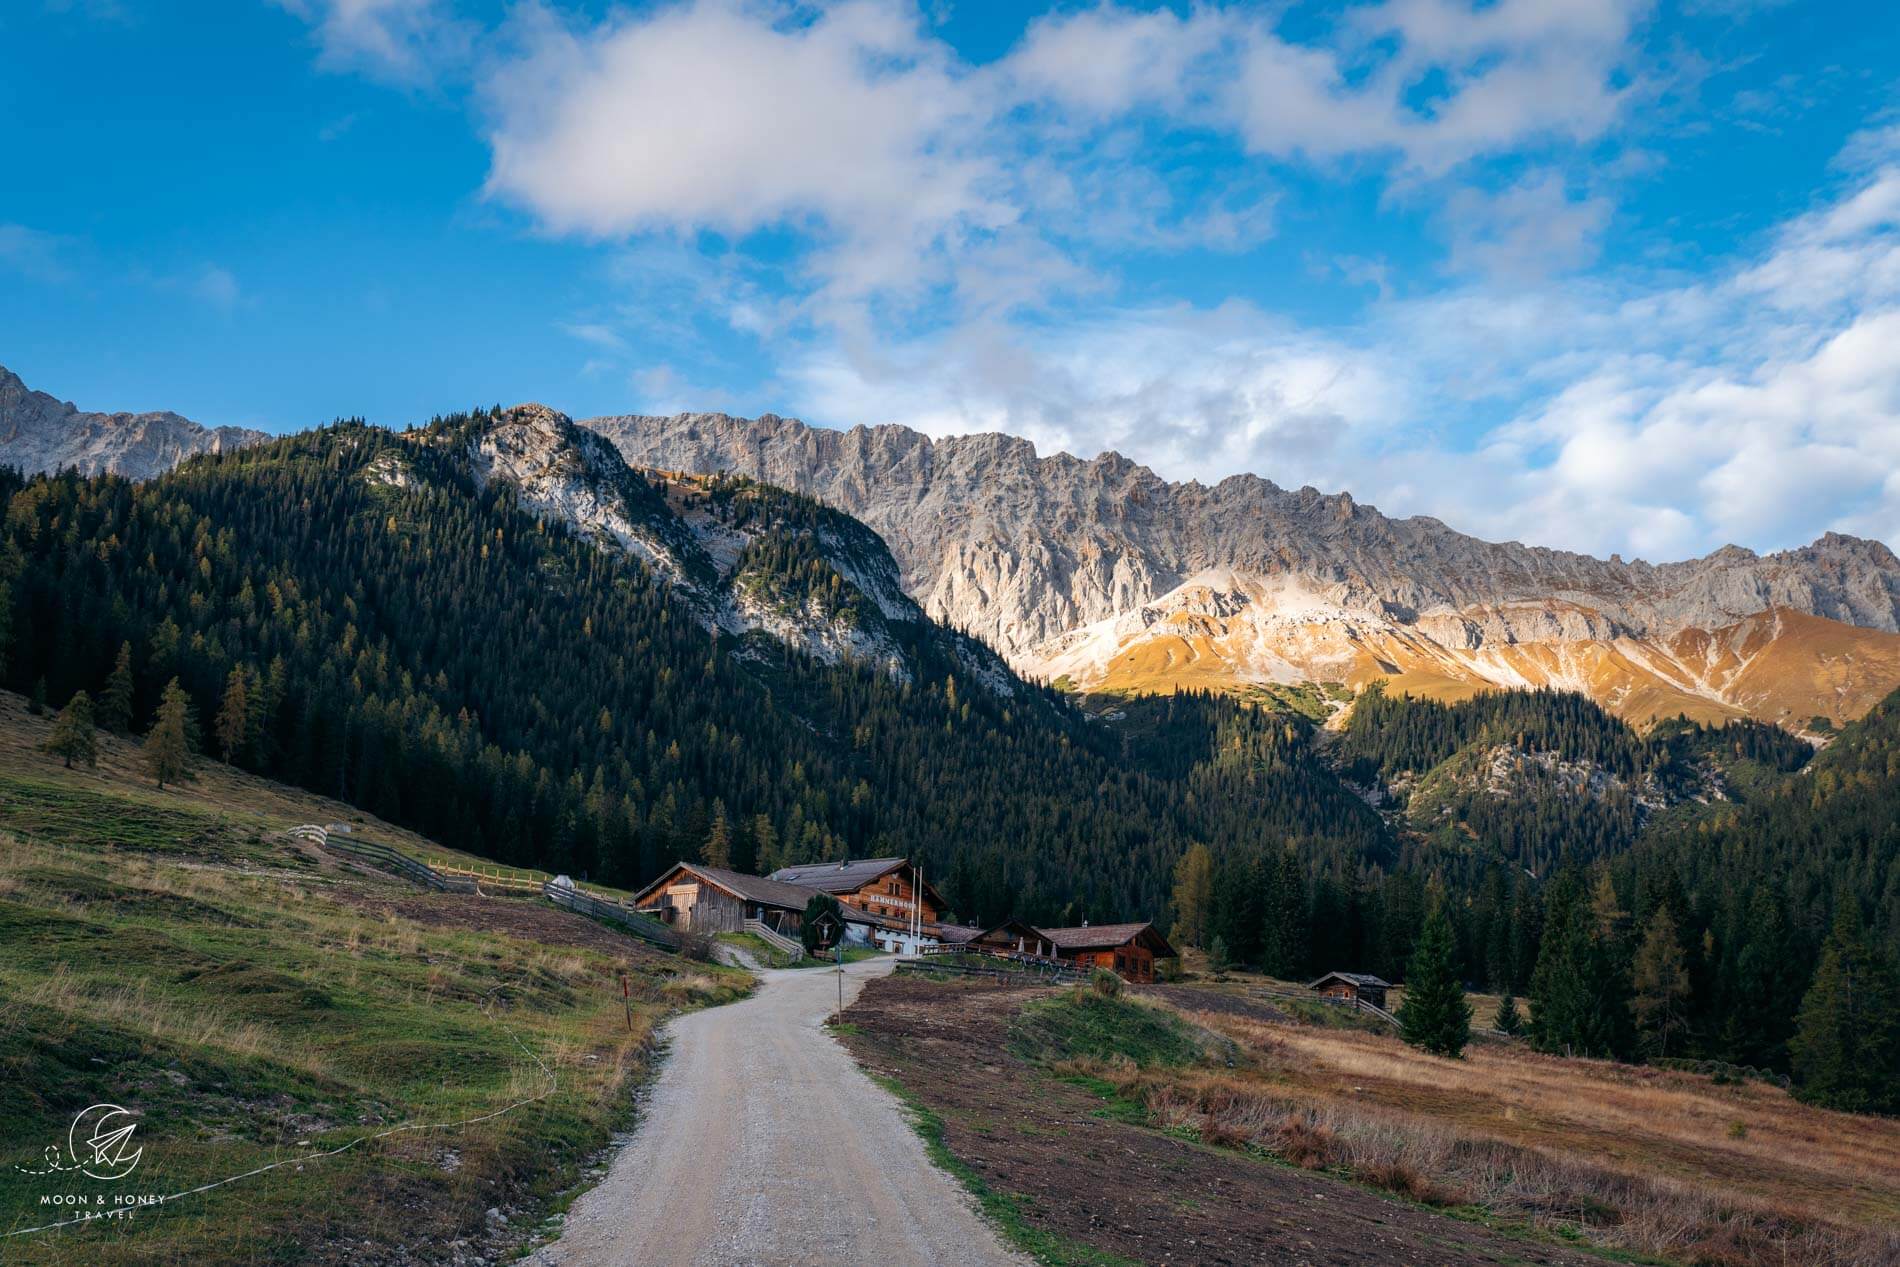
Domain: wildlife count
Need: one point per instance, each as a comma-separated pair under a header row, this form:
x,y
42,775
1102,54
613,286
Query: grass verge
x,y
1005,1211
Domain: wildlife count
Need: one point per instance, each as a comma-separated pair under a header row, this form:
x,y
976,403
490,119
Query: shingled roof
x,y
838,877
1352,978
1107,937
748,888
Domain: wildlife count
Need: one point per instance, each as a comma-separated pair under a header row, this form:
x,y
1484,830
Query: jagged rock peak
x,y
41,433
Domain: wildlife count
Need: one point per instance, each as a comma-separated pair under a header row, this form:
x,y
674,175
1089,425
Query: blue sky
x,y
1614,275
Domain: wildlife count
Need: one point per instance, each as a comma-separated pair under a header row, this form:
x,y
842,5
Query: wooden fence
x,y
1002,970
383,856
641,926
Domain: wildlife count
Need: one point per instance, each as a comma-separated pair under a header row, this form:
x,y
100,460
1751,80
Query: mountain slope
x,y
40,433
492,631
1105,573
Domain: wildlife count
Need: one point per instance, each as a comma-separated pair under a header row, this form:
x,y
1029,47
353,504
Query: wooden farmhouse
x,y
1352,986
1129,950
714,900
878,886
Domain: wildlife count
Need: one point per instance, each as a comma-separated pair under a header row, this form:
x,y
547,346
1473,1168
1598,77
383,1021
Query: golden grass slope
x,y
1778,666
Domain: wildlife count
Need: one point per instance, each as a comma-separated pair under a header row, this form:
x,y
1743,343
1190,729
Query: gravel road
x,y
764,1143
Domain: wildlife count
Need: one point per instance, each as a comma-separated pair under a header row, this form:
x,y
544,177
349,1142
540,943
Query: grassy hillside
x,y
254,1002
1211,1100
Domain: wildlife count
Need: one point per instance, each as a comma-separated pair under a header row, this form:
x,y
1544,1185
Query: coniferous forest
x,y
438,655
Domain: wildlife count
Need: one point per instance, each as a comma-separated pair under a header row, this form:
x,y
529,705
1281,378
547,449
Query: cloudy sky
x,y
1615,275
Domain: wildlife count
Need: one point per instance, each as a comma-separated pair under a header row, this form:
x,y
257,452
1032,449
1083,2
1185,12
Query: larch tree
x,y
717,851
1662,990
234,715
167,749
73,738
1193,895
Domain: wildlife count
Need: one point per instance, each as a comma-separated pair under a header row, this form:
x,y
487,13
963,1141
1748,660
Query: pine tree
x,y
72,738
167,749
115,705
1580,988
717,851
1662,989
234,716
1218,960
1193,895
1435,1015
1846,1047
1508,1020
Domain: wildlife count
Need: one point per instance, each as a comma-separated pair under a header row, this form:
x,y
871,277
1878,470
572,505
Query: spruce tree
x,y
36,698
115,704
73,738
1846,1047
1435,1015
167,749
1508,1020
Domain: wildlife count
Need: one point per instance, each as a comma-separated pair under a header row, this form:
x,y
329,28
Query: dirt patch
x,y
1124,1189
1191,999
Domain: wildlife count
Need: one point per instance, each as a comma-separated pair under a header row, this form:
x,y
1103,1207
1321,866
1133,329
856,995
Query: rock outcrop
x,y
40,433
1105,573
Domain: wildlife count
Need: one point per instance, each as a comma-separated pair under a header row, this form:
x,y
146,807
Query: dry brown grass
x,y
1647,1161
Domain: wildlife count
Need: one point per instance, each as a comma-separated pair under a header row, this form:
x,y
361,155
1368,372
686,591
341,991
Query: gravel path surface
x,y
764,1143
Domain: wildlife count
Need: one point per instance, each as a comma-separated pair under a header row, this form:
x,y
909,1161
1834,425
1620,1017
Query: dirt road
x,y
763,1143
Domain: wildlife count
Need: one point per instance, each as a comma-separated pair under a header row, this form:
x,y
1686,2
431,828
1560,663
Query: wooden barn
x,y
1129,950
1361,986
715,900
881,886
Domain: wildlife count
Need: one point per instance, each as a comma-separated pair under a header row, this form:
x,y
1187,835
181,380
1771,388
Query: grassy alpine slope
x,y
1266,1136
254,1002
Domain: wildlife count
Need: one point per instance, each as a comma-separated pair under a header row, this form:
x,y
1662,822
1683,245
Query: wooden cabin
x,y
1128,950
1351,986
714,900
1014,938
880,886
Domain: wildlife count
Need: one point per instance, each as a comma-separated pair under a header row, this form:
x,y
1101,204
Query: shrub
x,y
1105,983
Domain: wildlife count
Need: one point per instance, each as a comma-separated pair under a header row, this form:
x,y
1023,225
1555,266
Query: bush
x,y
1105,983
697,946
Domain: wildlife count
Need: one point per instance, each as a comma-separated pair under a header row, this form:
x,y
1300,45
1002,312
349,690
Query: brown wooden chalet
x,y
714,900
1352,986
1127,949
880,886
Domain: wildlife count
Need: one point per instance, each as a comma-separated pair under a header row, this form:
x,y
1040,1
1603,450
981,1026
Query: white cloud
x,y
1534,228
1660,421
403,40
217,286
33,253
711,116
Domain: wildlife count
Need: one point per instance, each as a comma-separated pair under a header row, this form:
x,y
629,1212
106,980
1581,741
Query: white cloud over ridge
x,y
923,240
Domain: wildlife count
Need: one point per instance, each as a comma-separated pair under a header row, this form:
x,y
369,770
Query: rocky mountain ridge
x,y
1102,572
41,433
749,560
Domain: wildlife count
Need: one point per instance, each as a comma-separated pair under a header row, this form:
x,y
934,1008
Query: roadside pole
x,y
626,1000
